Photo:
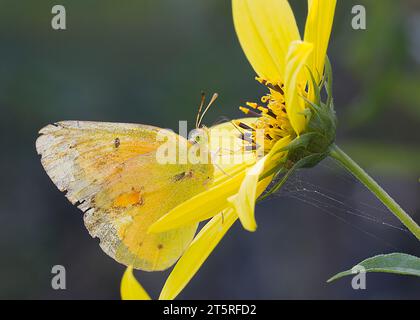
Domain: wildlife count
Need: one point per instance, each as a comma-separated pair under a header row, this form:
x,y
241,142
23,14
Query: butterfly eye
x,y
196,136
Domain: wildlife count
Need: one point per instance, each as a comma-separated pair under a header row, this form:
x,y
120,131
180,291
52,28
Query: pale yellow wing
x,y
110,171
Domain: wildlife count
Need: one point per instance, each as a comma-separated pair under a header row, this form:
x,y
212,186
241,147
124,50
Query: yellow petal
x,y
199,250
131,288
201,207
265,29
297,58
317,31
244,200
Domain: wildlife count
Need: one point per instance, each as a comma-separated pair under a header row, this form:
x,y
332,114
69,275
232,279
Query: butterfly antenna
x,y
213,99
200,108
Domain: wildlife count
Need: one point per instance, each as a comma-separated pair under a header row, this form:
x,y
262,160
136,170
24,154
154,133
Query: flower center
x,y
273,121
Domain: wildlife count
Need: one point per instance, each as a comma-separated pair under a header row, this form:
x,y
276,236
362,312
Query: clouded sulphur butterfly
x,y
110,171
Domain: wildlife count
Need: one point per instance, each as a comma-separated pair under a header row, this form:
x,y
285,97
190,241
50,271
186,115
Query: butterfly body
x,y
112,173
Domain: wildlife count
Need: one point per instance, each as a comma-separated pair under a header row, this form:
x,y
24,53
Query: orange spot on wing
x,y
128,199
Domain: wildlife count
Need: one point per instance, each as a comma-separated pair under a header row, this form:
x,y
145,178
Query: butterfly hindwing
x,y
110,171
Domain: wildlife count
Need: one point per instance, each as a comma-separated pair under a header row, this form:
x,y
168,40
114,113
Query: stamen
x,y
273,118
271,114
268,112
252,105
249,112
274,87
265,99
268,137
245,126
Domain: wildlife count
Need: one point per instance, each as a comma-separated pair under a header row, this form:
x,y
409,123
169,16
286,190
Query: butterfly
x,y
111,172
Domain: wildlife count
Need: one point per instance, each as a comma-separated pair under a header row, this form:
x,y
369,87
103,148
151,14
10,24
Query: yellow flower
x,y
291,69
270,39
130,288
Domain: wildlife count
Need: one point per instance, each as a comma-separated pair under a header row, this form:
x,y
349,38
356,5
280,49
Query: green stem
x,y
375,188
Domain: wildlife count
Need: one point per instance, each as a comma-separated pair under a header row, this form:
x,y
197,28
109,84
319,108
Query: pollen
x,y
273,121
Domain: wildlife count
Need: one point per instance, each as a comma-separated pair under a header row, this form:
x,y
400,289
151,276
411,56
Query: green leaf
x,y
308,161
315,87
300,142
329,81
398,263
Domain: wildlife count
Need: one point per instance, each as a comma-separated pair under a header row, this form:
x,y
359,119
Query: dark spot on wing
x,y
117,142
160,246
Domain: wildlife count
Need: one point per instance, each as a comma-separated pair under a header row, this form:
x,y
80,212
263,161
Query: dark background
x,y
147,61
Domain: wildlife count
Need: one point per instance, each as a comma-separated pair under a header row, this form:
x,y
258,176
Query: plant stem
x,y
340,156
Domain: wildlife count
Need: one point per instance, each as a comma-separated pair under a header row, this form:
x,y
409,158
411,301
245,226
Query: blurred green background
x,y
146,62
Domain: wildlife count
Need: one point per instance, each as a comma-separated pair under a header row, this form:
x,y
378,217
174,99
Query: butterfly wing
x,y
110,171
